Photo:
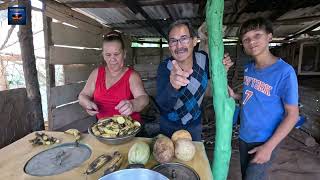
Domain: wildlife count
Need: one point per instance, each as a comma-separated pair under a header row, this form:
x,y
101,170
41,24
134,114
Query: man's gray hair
x,y
183,22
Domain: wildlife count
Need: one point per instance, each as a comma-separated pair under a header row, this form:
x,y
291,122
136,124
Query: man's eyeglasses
x,y
183,40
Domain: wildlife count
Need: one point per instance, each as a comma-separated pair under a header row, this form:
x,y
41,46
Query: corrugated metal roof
x,y
133,24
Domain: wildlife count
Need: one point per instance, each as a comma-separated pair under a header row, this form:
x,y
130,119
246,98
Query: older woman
x,y
114,89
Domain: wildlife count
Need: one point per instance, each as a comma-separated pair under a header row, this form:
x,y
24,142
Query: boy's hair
x,y
113,36
258,23
183,22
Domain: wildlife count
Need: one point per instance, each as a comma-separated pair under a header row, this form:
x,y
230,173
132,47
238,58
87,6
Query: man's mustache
x,y
181,50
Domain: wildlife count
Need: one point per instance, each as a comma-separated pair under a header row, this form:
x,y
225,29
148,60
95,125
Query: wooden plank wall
x,y
146,63
14,116
73,41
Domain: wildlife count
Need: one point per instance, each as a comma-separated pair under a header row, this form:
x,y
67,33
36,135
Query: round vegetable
x,y
181,134
163,149
139,153
184,149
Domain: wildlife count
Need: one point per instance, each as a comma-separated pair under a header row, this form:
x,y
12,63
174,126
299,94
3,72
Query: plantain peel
x,y
112,163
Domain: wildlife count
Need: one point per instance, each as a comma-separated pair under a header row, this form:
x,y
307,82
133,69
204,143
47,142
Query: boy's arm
x,y
263,152
289,96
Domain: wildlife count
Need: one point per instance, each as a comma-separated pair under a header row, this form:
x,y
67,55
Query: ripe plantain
x,y
98,163
75,132
114,164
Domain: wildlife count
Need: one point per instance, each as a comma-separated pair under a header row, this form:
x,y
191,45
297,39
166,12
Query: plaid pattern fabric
x,y
190,97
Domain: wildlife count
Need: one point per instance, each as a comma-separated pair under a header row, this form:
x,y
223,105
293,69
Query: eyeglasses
x,y
183,40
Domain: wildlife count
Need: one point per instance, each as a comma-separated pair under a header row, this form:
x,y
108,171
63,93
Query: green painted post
x,y
223,105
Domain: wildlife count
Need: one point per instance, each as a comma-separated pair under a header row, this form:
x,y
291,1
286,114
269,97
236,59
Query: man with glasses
x,y
182,81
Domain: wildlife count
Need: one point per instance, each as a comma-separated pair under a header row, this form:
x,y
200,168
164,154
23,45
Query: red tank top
x,y
108,99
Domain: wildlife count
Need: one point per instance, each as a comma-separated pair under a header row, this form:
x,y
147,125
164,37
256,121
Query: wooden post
x,y
223,105
29,68
50,71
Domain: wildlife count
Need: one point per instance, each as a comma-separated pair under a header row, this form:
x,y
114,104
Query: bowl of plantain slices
x,y
115,130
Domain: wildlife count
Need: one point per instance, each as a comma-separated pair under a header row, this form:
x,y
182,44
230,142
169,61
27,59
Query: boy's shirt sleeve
x,y
289,88
167,95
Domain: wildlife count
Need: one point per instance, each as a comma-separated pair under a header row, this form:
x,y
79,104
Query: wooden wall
x,y
146,63
14,115
74,43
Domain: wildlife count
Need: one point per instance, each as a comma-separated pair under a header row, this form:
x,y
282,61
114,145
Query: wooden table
x,y
14,156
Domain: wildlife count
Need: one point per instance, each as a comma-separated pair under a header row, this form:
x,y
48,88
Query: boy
x,y
269,100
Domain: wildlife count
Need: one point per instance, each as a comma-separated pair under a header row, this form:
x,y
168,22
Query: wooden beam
x,y
50,71
68,114
74,73
133,5
71,36
65,94
291,21
64,13
120,4
302,31
62,55
168,12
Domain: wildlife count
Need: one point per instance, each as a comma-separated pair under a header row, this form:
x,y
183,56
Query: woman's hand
x,y
125,107
227,61
91,108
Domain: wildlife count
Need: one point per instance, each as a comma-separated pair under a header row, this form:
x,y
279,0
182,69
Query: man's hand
x,y
178,77
227,61
125,107
92,108
262,154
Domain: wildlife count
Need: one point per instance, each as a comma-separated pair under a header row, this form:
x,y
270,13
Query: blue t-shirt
x,y
265,92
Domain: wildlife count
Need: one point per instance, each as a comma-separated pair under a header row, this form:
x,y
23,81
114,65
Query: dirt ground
x,y
294,161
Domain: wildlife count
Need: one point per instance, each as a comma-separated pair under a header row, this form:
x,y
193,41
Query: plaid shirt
x,y
185,104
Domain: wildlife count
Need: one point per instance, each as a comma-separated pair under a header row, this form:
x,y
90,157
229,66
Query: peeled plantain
x,y
75,132
112,163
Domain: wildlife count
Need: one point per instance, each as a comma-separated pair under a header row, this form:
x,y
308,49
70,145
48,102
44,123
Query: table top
x,y
14,157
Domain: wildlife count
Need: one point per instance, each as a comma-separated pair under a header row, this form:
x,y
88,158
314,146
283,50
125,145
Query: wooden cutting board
x,y
14,157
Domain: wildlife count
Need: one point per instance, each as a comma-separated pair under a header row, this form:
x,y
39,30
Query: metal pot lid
x,y
177,171
57,160
134,174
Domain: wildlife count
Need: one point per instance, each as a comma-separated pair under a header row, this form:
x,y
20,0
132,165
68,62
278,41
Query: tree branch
x,y
8,36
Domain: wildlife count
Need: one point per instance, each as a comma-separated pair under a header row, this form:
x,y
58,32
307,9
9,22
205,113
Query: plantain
x,y
43,139
75,132
114,164
98,163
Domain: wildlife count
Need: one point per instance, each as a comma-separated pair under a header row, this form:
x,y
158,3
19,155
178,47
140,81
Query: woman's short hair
x,y
258,23
113,36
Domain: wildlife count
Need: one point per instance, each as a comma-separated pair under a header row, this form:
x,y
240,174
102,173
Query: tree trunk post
x,y
29,69
223,105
